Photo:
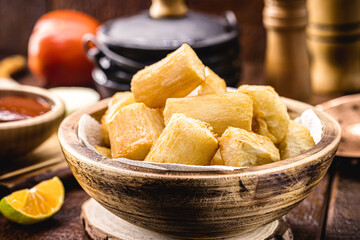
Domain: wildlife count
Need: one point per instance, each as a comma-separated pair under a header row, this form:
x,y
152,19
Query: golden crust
x,y
213,83
240,148
219,110
133,130
269,107
296,141
176,75
184,141
104,151
259,126
217,159
117,101
250,120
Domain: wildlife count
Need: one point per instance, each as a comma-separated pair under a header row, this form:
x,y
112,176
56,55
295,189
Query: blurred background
x,y
19,16
334,30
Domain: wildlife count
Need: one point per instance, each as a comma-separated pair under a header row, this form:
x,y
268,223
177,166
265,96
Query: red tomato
x,y
55,51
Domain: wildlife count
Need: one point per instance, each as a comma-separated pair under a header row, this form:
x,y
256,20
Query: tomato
x,y
55,51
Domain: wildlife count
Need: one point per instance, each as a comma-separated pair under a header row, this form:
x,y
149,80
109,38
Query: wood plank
x,y
343,220
49,149
17,20
307,219
43,163
102,10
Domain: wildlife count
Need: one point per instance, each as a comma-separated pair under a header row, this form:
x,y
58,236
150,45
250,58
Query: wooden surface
x,y
45,160
317,217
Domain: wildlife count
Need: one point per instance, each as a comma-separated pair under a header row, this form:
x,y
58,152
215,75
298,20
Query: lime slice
x,y
29,206
76,98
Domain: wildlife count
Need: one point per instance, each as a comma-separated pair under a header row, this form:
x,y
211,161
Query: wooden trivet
x,y
99,223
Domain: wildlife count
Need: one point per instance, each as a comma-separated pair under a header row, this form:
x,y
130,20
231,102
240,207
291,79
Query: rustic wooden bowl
x,y
20,137
199,204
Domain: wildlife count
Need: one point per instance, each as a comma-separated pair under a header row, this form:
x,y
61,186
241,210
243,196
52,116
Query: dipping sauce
x,y
15,108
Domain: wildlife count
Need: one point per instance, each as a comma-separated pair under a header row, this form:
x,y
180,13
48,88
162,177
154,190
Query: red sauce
x,y
14,108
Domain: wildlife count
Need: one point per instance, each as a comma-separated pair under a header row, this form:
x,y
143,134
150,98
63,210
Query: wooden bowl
x,y
199,204
20,137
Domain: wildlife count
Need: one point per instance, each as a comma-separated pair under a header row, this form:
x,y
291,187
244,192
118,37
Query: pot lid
x,y
141,31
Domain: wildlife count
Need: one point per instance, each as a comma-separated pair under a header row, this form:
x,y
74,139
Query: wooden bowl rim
x,y
57,107
69,141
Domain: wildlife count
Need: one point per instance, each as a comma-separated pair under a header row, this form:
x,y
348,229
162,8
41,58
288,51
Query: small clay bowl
x,y
18,138
196,204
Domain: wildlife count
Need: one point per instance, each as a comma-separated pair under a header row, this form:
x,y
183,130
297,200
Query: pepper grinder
x,y
333,36
286,59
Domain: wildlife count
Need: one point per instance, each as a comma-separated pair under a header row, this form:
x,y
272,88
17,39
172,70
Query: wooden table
x,y
331,211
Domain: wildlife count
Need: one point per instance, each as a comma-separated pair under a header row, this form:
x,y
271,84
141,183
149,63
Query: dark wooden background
x,y
19,16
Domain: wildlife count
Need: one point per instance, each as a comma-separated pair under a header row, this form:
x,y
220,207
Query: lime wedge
x,y
29,206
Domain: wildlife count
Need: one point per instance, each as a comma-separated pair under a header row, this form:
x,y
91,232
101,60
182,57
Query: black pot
x,y
126,45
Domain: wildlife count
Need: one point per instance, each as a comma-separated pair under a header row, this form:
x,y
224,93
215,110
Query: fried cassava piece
x,y
160,122
269,107
175,76
219,110
213,83
104,151
217,160
186,141
117,101
296,141
133,130
260,127
240,148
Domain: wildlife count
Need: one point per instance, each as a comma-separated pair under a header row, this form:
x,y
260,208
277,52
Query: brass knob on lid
x,y
168,8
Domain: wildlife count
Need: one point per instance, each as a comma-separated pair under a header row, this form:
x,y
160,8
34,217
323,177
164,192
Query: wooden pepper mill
x,y
286,60
334,45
